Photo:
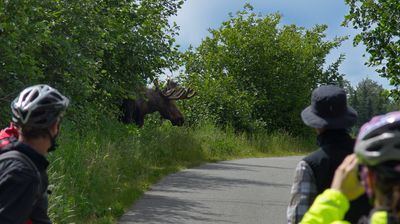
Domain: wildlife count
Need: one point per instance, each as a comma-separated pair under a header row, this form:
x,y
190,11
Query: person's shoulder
x,y
312,156
16,168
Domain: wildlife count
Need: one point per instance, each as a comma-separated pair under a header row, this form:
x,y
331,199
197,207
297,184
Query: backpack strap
x,y
15,154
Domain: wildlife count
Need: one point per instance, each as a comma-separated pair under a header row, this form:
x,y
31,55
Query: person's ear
x,y
54,128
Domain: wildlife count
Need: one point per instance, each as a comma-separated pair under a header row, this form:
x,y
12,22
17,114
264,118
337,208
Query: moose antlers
x,y
175,92
180,94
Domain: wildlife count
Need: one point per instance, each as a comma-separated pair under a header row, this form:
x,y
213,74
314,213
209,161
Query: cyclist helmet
x,y
38,106
379,140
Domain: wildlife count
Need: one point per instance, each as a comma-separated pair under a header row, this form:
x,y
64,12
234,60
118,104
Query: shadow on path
x,y
259,166
161,209
224,166
225,192
198,181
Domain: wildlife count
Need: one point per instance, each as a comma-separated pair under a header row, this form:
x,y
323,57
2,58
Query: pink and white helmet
x,y
379,140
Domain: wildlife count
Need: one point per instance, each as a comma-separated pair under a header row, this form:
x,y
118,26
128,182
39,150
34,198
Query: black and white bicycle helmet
x,y
379,140
38,106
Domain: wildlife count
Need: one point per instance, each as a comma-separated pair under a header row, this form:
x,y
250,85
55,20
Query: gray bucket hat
x,y
329,109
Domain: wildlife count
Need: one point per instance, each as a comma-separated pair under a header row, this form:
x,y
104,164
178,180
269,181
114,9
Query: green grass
x,y
97,174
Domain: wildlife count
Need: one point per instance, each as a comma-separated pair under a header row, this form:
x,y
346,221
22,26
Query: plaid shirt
x,y
303,193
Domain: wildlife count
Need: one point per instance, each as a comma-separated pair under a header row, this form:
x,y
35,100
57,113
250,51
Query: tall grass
x,y
96,174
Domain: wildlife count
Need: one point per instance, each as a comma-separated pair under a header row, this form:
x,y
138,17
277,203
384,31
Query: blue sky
x,y
196,16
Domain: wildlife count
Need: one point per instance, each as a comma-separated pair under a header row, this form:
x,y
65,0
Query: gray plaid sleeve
x,y
303,193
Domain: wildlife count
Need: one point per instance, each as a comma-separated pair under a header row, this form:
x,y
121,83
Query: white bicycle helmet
x,y
38,106
379,140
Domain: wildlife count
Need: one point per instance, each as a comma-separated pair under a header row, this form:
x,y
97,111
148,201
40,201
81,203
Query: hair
x,y
388,189
33,133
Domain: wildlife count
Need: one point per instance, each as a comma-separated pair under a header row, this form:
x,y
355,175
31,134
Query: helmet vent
x,y
45,102
374,148
371,135
23,113
34,96
57,96
395,127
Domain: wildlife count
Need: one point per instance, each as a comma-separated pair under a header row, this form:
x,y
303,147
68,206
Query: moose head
x,y
159,100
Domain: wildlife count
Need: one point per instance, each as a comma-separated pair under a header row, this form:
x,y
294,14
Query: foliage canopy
x,y
368,99
94,51
254,72
379,24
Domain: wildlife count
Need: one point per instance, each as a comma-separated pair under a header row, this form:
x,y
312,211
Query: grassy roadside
x,y
97,174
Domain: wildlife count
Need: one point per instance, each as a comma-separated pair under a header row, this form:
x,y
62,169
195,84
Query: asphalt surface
x,y
241,191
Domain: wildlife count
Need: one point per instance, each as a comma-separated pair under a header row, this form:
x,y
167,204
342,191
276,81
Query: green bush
x,y
255,73
96,52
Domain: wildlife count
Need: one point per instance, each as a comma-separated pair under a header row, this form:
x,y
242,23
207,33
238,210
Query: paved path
x,y
241,191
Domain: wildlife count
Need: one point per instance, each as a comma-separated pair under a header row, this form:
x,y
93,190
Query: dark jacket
x,y
22,195
335,145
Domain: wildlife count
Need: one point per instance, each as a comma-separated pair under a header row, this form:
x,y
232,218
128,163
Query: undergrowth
x,y
97,173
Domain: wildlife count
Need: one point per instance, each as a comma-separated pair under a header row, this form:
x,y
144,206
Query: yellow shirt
x,y
331,206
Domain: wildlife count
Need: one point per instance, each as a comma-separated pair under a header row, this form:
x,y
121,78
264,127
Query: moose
x,y
135,110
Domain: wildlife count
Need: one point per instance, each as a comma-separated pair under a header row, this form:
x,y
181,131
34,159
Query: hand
x,y
346,180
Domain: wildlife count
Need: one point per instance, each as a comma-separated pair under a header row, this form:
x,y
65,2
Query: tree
x,y
368,99
332,76
94,51
253,69
379,21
